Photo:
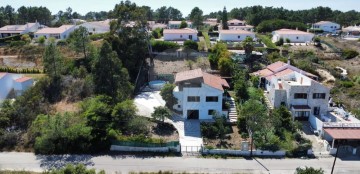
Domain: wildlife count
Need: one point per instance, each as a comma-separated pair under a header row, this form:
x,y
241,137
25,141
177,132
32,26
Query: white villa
x,y
180,34
352,31
235,35
199,94
13,82
235,24
97,27
295,36
176,24
327,26
287,85
61,32
11,30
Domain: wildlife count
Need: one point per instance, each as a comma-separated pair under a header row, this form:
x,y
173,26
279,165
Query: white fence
x,y
143,149
279,153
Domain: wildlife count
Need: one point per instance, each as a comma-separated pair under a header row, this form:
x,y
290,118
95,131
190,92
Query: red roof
x,y
350,134
283,72
23,79
275,66
208,79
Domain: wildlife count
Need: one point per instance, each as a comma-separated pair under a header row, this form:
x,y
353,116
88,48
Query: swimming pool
x,y
156,84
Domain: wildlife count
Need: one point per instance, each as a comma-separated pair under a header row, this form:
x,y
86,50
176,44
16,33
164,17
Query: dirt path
x,y
328,79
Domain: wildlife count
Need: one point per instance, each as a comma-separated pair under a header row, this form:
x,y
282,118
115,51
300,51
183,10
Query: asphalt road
x,y
125,164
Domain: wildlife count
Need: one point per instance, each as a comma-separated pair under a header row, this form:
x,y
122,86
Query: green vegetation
x,y
79,40
74,169
280,42
196,16
190,45
266,40
224,19
161,46
183,24
167,94
349,53
308,170
161,113
97,36
207,39
22,71
276,24
218,129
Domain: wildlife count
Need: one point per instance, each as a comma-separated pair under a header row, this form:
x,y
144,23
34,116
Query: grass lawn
x,y
266,40
207,39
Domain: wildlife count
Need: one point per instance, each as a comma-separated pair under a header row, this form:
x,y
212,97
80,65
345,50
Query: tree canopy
x,y
196,16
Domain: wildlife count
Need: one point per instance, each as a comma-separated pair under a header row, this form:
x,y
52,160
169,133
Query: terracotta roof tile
x,y
284,72
290,31
23,79
208,79
350,133
274,66
180,31
58,30
235,32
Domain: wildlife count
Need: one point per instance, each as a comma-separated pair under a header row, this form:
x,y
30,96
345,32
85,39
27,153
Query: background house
x,y
199,94
97,27
176,24
180,34
61,32
327,26
295,36
352,31
235,35
16,82
235,24
11,30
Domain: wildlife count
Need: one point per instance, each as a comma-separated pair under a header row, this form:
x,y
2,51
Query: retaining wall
x,y
244,153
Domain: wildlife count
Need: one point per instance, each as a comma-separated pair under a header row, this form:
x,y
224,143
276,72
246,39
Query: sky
x,y
185,6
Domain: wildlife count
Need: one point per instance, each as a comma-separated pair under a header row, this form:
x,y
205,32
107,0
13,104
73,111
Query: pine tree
x,y
224,20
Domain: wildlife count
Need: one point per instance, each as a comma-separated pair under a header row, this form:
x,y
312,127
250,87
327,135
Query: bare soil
x,y
233,140
64,106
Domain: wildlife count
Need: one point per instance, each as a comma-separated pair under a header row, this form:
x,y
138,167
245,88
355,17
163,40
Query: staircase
x,y
267,101
232,111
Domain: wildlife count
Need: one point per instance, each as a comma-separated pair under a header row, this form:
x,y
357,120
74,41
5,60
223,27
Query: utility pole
x,y
336,154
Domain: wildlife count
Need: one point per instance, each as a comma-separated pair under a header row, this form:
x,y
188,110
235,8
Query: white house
x,y
11,30
235,35
61,32
352,31
327,26
180,34
176,24
235,24
295,36
294,88
97,27
199,94
13,82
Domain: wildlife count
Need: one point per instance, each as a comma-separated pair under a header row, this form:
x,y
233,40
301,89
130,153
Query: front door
x,y
190,37
193,114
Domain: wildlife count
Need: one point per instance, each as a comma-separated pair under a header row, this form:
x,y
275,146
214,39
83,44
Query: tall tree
x,y
110,78
9,14
52,60
183,24
79,40
224,19
196,16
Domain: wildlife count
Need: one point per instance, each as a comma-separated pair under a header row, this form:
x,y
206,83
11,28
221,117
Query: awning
x,y
342,134
301,107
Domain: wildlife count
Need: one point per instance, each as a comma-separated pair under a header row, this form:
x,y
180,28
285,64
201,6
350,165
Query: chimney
x,y
301,80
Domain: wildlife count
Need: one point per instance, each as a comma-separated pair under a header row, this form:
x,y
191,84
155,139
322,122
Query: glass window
x,y
193,98
316,110
319,95
300,96
302,114
212,99
211,112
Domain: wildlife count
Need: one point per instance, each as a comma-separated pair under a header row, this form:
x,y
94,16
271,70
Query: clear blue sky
x,y
185,6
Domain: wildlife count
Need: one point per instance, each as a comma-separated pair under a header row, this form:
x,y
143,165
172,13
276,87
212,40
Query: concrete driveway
x,y
147,101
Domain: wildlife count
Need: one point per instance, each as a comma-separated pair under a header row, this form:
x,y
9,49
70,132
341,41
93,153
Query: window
x,y
302,114
212,99
300,96
316,110
211,112
180,36
297,37
238,37
190,37
193,98
319,96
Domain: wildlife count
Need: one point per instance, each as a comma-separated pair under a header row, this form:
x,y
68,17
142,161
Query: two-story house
x,y
327,26
176,24
235,24
294,88
199,94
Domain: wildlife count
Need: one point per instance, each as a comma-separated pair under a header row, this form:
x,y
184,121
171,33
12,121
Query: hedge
x,y
22,71
160,46
11,38
349,53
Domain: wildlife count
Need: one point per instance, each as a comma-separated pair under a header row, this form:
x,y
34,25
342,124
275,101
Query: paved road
x,y
125,164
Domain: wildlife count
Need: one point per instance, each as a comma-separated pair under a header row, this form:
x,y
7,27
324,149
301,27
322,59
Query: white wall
x,y
315,123
7,84
234,37
294,38
328,27
184,36
279,153
202,106
20,87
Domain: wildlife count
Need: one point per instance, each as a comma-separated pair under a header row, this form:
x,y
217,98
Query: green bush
x,y
61,43
161,46
17,43
275,24
349,53
280,42
347,84
97,36
41,40
11,38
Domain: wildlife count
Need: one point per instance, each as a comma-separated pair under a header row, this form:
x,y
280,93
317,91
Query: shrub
x,y
17,43
97,36
155,34
41,40
349,53
189,44
61,43
287,40
160,46
200,34
346,84
26,38
280,42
